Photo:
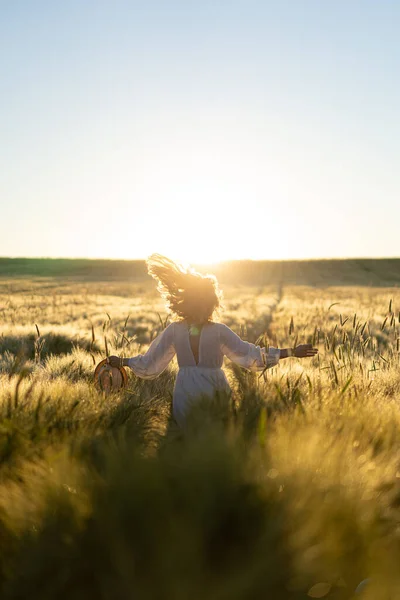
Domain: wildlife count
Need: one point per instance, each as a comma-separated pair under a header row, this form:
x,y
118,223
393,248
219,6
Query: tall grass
x,y
289,489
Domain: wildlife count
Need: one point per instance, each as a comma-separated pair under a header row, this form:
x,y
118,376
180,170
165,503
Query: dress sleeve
x,y
247,355
160,353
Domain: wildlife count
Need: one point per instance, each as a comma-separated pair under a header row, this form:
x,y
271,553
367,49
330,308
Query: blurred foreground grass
x,y
290,489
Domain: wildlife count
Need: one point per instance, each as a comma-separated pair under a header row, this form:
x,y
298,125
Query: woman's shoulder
x,y
183,324
217,326
179,324
211,325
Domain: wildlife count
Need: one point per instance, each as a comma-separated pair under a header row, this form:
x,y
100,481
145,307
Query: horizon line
x,y
229,260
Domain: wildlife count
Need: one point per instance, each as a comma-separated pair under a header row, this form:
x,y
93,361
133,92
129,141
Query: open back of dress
x,y
200,360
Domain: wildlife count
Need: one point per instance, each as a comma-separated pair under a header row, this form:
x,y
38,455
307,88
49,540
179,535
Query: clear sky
x,y
204,130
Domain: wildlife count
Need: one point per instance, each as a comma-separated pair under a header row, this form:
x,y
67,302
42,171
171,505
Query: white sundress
x,y
205,377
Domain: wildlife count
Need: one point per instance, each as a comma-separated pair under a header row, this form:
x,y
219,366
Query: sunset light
x,y
165,134
164,433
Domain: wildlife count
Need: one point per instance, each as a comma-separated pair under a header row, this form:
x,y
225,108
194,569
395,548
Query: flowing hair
x,y
188,294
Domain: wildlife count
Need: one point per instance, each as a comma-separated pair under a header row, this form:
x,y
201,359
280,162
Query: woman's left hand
x,y
305,351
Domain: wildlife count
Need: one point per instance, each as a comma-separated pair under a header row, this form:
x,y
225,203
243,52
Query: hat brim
x,y
110,379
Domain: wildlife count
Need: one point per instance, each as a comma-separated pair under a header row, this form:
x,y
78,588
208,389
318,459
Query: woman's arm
x,y
245,354
255,358
149,365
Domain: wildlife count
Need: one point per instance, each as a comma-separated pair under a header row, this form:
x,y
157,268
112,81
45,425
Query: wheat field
x,y
289,489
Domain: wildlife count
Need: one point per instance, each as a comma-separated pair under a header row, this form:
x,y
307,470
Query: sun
x,y
197,259
205,223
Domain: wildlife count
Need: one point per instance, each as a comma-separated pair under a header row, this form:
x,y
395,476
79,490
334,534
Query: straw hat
x,y
110,379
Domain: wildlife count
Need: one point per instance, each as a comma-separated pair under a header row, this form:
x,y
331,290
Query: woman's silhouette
x,y
199,343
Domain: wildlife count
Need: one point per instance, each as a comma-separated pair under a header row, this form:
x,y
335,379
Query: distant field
x,y
371,272
288,490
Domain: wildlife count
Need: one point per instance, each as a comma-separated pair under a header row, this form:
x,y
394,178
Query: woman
x,y
199,343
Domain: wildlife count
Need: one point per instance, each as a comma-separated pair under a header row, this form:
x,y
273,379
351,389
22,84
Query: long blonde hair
x,y
190,295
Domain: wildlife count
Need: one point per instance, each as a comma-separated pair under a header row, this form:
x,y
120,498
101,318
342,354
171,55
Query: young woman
x,y
199,343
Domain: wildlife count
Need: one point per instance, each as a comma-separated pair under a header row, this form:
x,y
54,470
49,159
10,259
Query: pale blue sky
x,y
203,130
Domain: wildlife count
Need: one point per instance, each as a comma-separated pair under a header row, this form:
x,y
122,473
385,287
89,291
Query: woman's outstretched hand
x,y
305,351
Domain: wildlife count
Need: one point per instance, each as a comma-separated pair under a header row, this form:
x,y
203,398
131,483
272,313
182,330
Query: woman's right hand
x,y
305,351
115,361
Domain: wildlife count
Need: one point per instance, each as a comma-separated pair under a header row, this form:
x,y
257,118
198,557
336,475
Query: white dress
x,y
205,377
